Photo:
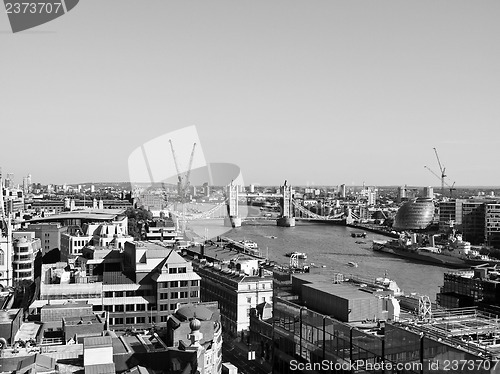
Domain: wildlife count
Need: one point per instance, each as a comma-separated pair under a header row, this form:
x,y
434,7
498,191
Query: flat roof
x,y
76,215
67,305
345,291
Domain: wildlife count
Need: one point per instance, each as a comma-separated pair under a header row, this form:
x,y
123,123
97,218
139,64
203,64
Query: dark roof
x,y
98,341
100,369
116,277
157,361
43,362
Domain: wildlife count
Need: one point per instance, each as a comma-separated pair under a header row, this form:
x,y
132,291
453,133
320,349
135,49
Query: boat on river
x,y
299,255
454,252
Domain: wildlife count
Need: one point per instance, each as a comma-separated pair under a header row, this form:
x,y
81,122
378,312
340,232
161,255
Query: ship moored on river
x,y
454,252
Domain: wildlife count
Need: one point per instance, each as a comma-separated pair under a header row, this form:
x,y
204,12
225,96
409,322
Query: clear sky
x,y
315,92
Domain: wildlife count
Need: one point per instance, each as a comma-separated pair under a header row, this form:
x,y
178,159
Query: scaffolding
x,y
469,329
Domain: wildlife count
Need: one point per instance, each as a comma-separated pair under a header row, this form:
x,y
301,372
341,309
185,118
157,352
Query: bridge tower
x,y
232,219
287,219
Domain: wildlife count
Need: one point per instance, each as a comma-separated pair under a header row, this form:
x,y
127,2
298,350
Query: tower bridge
x,y
290,209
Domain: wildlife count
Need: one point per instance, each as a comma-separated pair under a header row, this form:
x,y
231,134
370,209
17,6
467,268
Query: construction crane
x,y
182,185
442,169
452,187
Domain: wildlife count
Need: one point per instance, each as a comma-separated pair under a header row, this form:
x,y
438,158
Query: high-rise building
x,y
429,192
9,181
342,191
473,223
27,184
450,215
492,224
25,248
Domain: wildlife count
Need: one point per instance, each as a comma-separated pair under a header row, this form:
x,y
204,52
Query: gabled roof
x,y
36,363
174,258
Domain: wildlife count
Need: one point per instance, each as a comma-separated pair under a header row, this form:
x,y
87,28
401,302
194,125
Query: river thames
x,y
330,248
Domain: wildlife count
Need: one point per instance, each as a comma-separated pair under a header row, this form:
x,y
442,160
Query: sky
x,y
314,92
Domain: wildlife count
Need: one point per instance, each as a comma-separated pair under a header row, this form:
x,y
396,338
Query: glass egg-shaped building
x,y
415,215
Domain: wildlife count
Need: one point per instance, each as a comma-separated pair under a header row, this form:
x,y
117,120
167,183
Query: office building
x,y
26,248
492,224
237,289
49,233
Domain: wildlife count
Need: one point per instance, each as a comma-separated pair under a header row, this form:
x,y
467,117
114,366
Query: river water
x,y
333,247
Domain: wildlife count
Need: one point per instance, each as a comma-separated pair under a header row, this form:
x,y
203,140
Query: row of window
x,y
249,300
112,294
178,295
127,308
180,270
175,284
128,320
135,320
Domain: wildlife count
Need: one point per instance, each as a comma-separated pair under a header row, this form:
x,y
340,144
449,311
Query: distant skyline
x,y
317,93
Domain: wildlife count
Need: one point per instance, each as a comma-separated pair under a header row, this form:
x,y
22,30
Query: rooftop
x,y
116,277
344,291
98,341
7,316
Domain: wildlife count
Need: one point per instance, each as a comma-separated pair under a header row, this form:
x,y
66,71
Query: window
x,y
173,306
164,295
140,307
141,319
194,294
172,271
118,293
129,307
194,283
118,308
174,295
2,258
182,270
129,293
118,321
163,318
183,295
108,294
152,319
129,320
174,284
163,307
108,308
184,283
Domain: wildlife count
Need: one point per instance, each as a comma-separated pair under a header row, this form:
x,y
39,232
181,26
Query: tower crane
x,y
452,187
182,185
442,169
